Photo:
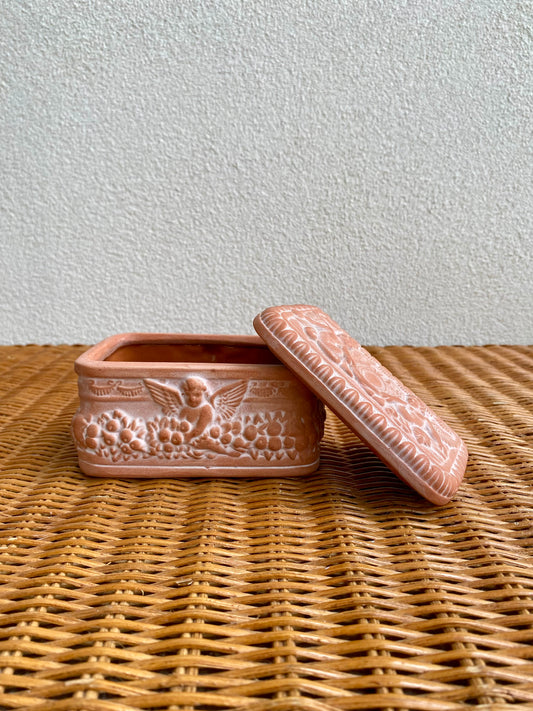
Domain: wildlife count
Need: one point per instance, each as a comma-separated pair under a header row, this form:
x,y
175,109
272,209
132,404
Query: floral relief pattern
x,y
379,401
116,436
113,435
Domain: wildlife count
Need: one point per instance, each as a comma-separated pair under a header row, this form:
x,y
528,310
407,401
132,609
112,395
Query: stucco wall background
x,y
179,166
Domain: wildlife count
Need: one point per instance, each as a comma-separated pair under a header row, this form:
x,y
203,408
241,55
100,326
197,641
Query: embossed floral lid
x,y
401,429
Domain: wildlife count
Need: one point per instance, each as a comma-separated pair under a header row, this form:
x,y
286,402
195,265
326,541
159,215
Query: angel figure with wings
x,y
194,406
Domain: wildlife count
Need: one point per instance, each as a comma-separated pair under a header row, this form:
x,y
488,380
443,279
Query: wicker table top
x,y
339,590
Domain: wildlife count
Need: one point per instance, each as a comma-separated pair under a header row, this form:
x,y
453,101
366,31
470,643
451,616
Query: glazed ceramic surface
x,y
192,405
402,430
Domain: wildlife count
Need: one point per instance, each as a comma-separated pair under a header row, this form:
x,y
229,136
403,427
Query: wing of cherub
x,y
169,398
227,399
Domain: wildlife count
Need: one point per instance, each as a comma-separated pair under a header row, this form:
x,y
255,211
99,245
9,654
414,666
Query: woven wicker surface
x,y
339,590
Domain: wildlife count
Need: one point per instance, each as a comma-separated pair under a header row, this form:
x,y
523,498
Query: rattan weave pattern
x,y
339,590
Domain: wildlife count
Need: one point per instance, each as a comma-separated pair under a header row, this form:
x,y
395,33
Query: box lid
x,y
411,439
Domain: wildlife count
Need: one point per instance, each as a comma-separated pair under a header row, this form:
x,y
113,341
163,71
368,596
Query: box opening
x,y
192,353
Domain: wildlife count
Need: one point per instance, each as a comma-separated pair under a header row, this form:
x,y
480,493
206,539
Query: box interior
x,y
192,353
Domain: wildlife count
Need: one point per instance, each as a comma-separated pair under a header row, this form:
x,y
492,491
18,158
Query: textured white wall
x,y
179,166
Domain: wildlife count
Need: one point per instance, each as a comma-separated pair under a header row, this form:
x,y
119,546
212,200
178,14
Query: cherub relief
x,y
194,405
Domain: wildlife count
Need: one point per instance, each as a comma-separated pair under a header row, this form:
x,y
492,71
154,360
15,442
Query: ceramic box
x,y
159,405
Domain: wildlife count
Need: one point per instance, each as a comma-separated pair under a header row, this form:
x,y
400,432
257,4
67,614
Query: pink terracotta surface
x,y
402,430
154,405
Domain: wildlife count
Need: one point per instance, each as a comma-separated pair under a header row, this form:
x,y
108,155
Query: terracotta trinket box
x,y
155,405
159,405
